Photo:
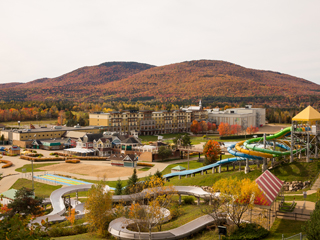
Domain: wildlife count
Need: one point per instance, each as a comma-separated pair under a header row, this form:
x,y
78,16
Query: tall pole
x,y
32,175
188,159
292,143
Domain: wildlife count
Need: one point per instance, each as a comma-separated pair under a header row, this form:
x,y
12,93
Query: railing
x,y
295,216
298,236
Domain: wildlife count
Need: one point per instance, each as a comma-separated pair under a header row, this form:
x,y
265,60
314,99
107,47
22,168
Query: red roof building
x,y
270,186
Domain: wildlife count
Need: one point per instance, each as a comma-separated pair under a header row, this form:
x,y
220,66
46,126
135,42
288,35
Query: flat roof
x,y
51,129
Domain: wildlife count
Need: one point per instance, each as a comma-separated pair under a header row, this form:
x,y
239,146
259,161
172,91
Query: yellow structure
x,y
308,114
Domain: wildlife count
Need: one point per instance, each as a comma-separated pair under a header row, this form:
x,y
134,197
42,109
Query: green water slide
x,y
277,135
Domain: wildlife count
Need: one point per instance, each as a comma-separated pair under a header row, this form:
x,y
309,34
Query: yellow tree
x,y
148,209
239,196
98,208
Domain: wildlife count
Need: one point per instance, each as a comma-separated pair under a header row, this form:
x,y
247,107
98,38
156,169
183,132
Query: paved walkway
x,y
316,184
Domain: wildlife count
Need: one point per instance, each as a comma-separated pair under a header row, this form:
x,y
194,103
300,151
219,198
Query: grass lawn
x,y
286,227
41,189
144,169
310,198
35,167
296,171
84,236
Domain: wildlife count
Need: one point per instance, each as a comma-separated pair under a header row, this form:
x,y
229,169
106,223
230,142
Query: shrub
x,y
51,154
176,210
72,161
66,231
7,163
248,231
188,200
145,164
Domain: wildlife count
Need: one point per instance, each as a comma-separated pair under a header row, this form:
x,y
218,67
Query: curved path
x,y
59,208
118,228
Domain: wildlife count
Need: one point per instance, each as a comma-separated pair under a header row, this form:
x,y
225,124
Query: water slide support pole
x,y
247,168
292,143
308,145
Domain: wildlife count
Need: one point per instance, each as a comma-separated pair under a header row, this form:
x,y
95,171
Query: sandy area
x,y
90,170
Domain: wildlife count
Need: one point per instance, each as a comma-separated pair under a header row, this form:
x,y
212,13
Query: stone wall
x,y
295,185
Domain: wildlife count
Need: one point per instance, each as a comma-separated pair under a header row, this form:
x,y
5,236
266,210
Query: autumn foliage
x,y
212,151
239,195
252,130
202,127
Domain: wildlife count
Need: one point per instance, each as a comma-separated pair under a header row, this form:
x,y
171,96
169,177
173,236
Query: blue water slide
x,y
240,154
204,168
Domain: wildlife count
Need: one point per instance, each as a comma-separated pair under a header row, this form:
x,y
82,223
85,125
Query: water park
x,y
299,142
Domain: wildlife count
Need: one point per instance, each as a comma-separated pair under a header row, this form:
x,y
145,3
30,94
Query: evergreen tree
x,y
158,174
186,141
25,203
118,190
312,227
132,183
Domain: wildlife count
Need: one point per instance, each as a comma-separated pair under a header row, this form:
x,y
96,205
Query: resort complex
x,y
242,181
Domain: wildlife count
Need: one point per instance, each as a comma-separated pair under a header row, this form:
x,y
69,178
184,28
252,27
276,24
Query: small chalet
x,y
14,150
122,160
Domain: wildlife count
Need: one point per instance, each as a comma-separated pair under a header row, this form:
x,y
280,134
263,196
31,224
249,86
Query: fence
x,y
41,180
298,236
293,215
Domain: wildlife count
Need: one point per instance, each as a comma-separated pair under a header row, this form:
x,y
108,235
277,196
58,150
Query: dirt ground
x,y
272,128
90,170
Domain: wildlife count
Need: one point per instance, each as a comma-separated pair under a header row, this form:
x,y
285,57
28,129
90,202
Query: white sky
x,y
50,38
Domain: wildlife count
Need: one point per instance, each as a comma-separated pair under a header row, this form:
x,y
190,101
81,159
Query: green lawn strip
x,y
209,179
286,227
41,189
35,167
190,213
144,169
84,236
287,207
310,198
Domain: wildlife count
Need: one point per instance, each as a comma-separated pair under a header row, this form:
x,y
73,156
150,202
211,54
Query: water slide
x,y
246,150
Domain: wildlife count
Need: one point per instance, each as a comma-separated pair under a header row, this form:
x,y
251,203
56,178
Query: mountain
x,y
203,79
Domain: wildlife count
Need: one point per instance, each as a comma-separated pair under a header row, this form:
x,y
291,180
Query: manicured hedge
x,y
72,161
145,164
42,159
7,163
240,136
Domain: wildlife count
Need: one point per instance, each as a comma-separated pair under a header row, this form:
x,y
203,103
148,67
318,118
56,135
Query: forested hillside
x,y
187,81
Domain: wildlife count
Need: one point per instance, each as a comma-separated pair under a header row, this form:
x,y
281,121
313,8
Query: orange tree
x,y
212,151
195,127
224,129
252,129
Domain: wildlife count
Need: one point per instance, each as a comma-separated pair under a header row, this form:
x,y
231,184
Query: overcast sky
x,y
50,38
